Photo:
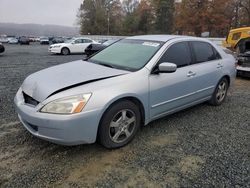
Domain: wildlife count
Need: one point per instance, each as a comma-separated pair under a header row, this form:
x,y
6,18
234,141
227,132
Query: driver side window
x,y
78,41
178,54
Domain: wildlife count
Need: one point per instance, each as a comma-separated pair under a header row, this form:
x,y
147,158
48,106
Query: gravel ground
x,y
203,146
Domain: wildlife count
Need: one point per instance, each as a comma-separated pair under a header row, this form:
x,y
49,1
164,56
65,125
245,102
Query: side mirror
x,y
166,68
73,42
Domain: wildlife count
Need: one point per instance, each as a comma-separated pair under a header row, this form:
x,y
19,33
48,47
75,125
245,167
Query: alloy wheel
x,y
122,126
221,91
65,51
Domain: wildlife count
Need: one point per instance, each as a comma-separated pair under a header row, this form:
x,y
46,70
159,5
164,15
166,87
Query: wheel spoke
x,y
124,115
117,134
114,124
131,120
223,93
218,95
223,86
127,133
221,96
119,120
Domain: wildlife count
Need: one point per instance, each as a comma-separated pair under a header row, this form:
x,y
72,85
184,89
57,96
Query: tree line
x,y
190,17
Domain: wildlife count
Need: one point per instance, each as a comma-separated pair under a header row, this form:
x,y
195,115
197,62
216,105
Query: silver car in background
x,y
130,83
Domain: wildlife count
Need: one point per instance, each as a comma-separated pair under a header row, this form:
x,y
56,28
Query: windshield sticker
x,y
153,44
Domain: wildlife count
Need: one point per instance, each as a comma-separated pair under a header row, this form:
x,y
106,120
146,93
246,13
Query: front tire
x,y
119,124
65,51
220,92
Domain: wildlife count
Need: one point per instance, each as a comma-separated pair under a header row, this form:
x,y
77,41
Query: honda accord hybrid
x,y
130,83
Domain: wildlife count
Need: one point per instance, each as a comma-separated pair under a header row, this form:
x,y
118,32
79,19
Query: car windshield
x,y
127,54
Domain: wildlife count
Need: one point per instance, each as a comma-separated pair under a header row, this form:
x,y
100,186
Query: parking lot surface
x,y
203,146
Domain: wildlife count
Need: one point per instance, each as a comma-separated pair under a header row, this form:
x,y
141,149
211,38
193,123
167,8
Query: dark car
x,y
57,40
2,49
243,68
93,48
24,40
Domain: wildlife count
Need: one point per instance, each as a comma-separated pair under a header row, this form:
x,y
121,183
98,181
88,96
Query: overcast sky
x,y
59,12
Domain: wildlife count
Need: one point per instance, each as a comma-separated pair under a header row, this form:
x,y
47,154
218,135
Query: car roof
x,y
80,38
162,38
240,29
165,38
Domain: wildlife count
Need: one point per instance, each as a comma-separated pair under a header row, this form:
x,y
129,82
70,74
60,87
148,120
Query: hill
x,y
37,30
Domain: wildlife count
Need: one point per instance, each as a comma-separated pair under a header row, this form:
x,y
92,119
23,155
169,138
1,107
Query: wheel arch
x,y
228,79
131,98
65,47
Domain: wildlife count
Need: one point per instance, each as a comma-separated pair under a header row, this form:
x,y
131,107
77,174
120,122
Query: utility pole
x,y
236,15
108,8
108,20
237,10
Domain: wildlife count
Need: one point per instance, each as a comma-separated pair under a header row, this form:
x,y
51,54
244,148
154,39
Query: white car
x,y
13,41
4,40
75,45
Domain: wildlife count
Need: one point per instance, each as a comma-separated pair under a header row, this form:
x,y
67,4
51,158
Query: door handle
x,y
219,65
190,74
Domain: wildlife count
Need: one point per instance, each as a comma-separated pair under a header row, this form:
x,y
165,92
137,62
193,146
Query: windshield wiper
x,y
106,65
85,58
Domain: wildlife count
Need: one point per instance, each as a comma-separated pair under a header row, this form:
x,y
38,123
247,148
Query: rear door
x,y
86,43
206,67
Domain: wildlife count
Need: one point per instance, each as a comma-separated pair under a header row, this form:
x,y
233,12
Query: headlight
x,y
56,46
68,105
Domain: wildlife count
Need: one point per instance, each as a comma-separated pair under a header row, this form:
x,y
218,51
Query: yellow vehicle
x,y
238,40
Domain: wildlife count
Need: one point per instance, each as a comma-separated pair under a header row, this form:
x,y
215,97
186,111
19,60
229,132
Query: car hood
x,y
47,82
57,44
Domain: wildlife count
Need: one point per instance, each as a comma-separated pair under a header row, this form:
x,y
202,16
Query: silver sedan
x,y
130,83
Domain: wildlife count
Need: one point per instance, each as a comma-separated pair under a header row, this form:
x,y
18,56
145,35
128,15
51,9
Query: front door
x,y
169,91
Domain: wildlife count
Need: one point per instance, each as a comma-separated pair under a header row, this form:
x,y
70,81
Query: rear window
x,y
77,41
204,52
87,41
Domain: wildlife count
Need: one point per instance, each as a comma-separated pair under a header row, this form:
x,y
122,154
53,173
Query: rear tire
x,y
220,92
65,51
119,124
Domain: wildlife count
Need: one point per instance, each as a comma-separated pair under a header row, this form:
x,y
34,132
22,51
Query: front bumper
x,y
243,71
44,42
72,129
54,50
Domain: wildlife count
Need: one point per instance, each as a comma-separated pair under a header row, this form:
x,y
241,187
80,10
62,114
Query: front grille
x,y
246,64
29,100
